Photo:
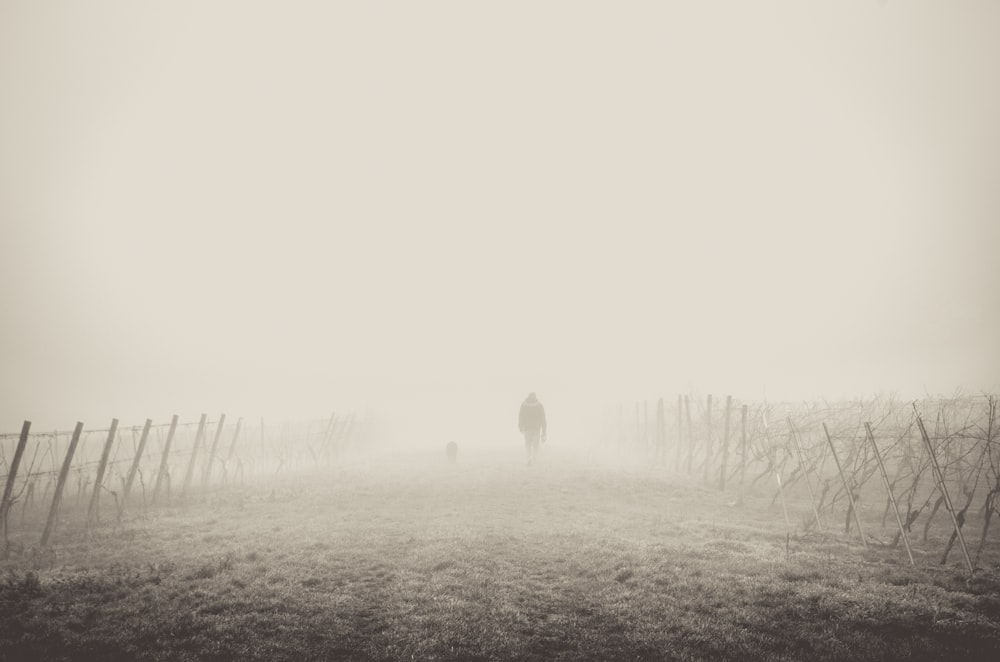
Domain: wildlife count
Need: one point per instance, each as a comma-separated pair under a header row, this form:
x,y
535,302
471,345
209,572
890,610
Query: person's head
x,y
532,397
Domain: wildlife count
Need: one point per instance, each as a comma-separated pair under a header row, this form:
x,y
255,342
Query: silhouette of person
x,y
531,423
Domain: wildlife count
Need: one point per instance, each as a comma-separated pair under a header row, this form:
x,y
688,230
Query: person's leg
x,y
531,444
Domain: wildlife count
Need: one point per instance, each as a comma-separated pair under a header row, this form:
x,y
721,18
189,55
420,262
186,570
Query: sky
x,y
287,209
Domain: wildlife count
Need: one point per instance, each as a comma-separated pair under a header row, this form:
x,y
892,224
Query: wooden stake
x,y
211,455
645,425
50,523
725,446
163,459
944,492
619,432
236,435
777,475
743,449
888,488
8,489
687,415
847,487
194,455
638,427
135,465
805,472
679,431
55,451
95,498
708,436
781,493
661,432
325,443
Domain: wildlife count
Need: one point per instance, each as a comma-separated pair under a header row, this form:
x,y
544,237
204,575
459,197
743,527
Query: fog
x,y
429,210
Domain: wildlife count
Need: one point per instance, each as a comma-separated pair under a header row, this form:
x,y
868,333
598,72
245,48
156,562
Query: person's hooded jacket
x,y
531,418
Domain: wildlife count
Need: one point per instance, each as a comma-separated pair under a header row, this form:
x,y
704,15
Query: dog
x,y
451,451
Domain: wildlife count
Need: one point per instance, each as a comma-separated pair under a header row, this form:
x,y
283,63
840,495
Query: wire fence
x,y
87,474
932,459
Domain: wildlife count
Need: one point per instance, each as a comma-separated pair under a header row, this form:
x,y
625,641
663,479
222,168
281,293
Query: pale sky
x,y
283,208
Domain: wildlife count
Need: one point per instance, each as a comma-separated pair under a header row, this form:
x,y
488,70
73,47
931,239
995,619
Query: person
x,y
531,423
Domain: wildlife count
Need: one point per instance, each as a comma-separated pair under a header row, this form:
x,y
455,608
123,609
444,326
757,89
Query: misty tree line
x,y
916,462
72,474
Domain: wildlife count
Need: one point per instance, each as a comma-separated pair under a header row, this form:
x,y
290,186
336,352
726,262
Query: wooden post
x,y
50,523
944,492
661,432
282,448
194,454
687,415
638,427
725,446
236,435
708,436
163,459
55,451
8,489
805,472
781,493
95,498
211,455
645,426
619,429
888,488
679,432
135,465
847,487
743,449
325,442
777,475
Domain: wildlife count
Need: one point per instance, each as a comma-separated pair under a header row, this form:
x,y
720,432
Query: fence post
x,y
777,472
687,415
725,446
135,465
638,428
22,442
50,523
164,457
194,454
211,455
708,436
55,451
236,435
680,414
888,487
847,487
645,426
944,492
325,442
743,449
805,472
661,432
95,499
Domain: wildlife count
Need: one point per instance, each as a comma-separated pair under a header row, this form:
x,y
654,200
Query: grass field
x,y
411,558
